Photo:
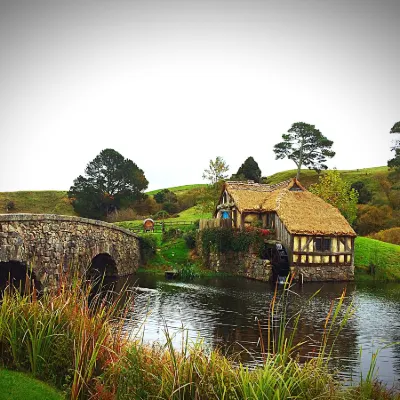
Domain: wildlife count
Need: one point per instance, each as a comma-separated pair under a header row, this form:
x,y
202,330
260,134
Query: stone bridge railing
x,y
54,244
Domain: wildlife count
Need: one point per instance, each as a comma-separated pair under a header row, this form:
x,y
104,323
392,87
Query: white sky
x,y
171,84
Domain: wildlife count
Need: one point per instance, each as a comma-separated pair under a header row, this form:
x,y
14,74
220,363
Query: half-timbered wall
x,y
340,252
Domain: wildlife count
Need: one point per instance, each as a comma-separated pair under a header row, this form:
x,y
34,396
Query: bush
x,y
364,195
162,214
171,208
10,206
148,247
373,219
389,236
223,240
190,239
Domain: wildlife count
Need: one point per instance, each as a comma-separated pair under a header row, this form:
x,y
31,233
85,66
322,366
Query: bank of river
x,y
224,312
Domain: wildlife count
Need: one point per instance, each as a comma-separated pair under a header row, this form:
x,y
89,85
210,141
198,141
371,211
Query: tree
x,y
215,174
364,195
110,183
305,145
216,171
165,196
249,170
395,162
337,192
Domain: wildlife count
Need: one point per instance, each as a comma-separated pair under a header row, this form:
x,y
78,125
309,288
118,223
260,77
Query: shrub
x,y
171,208
364,195
162,214
373,219
10,206
148,246
389,235
190,239
226,239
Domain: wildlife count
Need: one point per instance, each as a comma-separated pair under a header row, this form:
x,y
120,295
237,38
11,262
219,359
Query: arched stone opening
x,y
102,265
18,275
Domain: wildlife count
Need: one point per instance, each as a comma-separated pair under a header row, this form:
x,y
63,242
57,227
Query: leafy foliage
x,y
395,128
216,170
391,235
373,218
337,192
148,246
249,170
223,240
395,161
110,182
364,195
165,196
305,145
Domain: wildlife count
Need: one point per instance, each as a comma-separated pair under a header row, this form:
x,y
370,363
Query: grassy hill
x,y
57,202
41,202
370,177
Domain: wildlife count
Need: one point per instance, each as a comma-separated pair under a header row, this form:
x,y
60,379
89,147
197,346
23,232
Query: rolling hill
x,y
57,202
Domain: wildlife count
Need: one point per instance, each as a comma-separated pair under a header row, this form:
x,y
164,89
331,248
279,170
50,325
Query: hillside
x,y
57,202
370,176
41,202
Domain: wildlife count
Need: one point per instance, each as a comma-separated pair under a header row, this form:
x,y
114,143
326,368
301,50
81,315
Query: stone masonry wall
x,y
242,264
52,244
324,273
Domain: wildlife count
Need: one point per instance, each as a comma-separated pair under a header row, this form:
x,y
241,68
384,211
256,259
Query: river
x,y
229,313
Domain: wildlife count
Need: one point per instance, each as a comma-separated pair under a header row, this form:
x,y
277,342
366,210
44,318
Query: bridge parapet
x,y
52,244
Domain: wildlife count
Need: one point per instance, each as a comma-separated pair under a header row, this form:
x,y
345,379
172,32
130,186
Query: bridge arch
x,y
55,244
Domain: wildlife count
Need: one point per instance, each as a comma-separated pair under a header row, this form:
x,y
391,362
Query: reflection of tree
x,y
224,310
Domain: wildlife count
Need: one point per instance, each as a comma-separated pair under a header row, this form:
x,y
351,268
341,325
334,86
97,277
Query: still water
x,y
229,313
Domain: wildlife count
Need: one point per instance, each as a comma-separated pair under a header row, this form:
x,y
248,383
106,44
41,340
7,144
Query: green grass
x,y
366,175
178,189
19,386
41,202
376,260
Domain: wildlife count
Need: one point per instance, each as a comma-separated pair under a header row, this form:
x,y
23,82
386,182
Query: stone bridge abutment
x,y
50,245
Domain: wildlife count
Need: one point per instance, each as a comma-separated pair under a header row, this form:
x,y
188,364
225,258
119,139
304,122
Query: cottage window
x,y
322,244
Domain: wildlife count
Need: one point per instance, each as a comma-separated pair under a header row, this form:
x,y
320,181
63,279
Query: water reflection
x,y
223,312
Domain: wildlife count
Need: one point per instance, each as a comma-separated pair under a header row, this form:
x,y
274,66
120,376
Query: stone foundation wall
x,y
324,273
53,244
242,264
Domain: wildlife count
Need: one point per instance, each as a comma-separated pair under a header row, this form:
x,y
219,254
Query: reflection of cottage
x,y
318,239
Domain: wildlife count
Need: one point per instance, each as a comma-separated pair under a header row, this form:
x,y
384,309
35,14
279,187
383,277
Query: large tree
x,y
337,192
305,145
395,162
249,170
110,182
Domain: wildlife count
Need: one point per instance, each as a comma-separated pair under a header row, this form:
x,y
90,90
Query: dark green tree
x,y
249,170
395,162
305,145
165,196
364,195
110,182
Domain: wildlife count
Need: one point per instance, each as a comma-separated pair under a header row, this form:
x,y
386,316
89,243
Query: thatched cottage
x,y
317,238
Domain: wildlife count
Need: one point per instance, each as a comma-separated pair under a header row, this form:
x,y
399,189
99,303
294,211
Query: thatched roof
x,y
301,211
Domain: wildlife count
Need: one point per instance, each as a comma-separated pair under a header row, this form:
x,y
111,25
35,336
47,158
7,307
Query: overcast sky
x,y
171,84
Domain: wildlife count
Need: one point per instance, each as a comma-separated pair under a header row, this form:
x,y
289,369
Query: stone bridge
x,y
50,245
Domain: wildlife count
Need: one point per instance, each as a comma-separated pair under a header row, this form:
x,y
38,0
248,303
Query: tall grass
x,y
78,344
60,337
